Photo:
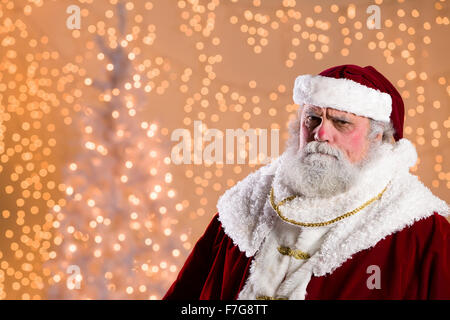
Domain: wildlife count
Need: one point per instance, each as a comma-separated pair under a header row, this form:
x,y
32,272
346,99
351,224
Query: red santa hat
x,y
351,88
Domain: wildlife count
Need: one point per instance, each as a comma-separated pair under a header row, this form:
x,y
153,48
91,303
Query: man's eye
x,y
312,121
341,122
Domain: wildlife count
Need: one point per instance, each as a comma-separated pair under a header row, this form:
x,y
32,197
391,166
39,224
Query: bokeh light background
x,y
86,118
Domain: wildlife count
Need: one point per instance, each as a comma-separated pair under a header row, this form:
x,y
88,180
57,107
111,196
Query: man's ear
x,y
379,136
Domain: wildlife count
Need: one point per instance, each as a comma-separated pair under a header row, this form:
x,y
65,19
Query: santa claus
x,y
337,216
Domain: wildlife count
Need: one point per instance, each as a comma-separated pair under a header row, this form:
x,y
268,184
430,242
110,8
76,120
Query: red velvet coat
x,y
417,257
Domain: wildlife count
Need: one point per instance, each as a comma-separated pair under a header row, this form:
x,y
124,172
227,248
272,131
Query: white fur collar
x,y
247,216
244,211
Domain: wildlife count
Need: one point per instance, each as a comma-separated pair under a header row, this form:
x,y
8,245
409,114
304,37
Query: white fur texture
x,y
342,94
248,218
245,213
275,275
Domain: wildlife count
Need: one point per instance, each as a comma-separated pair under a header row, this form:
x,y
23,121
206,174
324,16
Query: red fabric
x,y
370,77
215,269
414,264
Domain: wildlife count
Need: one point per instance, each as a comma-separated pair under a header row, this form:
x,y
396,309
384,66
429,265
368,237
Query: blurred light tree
x,y
114,233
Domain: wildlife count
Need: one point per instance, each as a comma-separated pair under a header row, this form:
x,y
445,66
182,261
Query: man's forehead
x,y
330,111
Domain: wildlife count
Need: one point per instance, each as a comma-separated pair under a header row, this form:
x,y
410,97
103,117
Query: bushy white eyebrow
x,y
313,111
340,118
318,112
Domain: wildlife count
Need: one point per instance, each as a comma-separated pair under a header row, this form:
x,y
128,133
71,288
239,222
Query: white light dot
x,y
142,288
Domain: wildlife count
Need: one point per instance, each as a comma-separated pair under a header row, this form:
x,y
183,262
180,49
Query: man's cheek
x,y
304,136
356,144
356,138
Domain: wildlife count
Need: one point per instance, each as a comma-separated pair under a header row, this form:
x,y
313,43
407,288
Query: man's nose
x,y
323,131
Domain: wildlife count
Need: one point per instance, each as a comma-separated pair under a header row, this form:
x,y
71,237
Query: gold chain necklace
x,y
319,224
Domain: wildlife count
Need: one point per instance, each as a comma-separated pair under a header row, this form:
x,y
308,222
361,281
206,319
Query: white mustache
x,y
323,148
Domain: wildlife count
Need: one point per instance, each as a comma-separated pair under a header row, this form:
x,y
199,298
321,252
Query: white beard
x,y
319,170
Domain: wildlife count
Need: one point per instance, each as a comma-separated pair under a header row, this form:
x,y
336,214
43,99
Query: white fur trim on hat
x,y
342,94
